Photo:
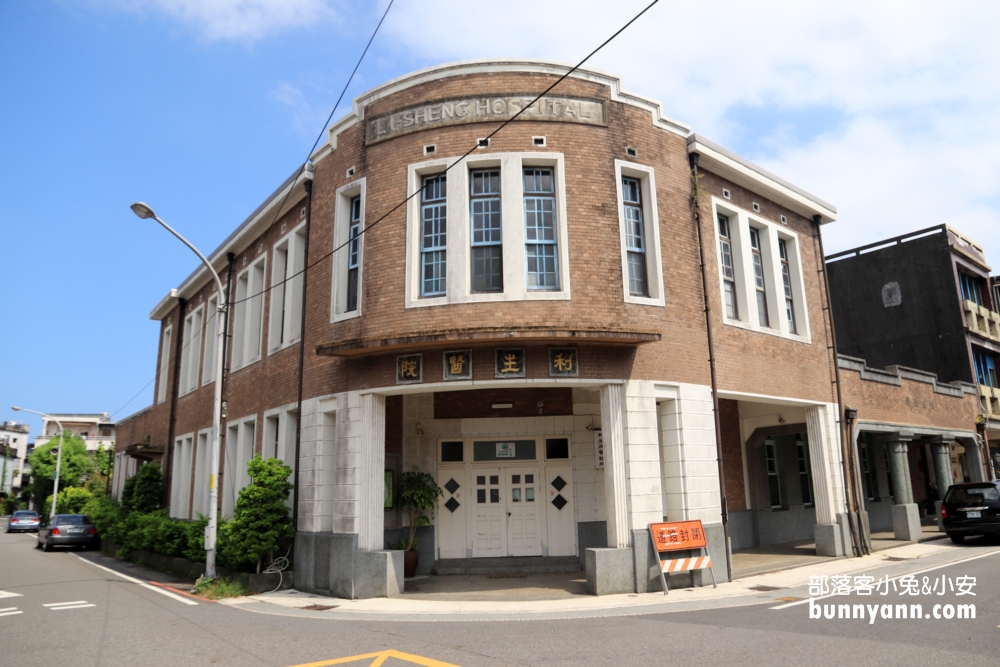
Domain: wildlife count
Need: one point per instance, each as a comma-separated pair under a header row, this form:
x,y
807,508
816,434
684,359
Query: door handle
x,y
508,515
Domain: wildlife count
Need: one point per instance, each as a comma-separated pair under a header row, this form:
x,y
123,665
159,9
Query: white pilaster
x,y
825,458
690,458
371,473
645,498
615,476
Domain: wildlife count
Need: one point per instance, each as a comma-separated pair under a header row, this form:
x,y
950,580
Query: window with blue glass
x,y
540,228
970,288
986,371
354,255
434,228
487,231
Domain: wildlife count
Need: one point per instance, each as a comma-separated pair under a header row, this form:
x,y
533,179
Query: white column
x,y
690,465
615,495
825,458
371,473
645,498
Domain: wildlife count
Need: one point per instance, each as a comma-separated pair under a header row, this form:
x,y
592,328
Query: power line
x,y
454,164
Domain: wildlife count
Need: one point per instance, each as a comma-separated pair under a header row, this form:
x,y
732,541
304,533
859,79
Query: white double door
x,y
508,520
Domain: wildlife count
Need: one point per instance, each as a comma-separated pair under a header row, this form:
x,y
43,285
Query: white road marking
x,y
141,583
72,606
6,594
929,569
10,611
59,604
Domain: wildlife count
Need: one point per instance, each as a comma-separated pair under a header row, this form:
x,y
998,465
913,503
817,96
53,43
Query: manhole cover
x,y
763,588
318,607
895,559
506,576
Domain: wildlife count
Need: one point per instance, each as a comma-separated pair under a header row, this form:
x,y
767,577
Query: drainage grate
x,y
319,607
764,589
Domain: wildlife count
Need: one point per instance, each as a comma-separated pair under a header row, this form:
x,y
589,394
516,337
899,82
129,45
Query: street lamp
x,y
55,491
211,531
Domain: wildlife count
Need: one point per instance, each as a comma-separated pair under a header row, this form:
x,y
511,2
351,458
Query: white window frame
x,y
210,340
244,352
341,259
180,476
235,475
194,323
161,383
651,227
286,299
458,244
202,471
740,221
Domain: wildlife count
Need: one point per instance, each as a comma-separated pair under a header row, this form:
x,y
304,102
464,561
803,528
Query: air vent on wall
x,y
784,220
756,207
538,141
350,172
631,152
725,193
483,143
430,149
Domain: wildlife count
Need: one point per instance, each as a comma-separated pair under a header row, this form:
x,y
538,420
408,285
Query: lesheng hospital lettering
x,y
455,112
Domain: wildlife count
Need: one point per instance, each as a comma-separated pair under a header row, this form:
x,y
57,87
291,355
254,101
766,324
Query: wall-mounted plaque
x,y
510,363
458,365
410,369
563,362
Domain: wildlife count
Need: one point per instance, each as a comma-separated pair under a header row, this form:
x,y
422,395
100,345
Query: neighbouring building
x,y
920,300
527,324
15,435
97,430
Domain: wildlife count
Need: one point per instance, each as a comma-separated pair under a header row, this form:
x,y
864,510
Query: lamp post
x,y
211,531
55,490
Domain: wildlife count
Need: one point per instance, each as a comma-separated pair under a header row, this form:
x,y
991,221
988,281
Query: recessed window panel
x,y
529,495
451,452
481,480
515,495
515,479
494,479
480,495
557,448
494,495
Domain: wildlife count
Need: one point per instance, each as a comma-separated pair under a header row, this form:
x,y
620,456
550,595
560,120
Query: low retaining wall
x,y
182,567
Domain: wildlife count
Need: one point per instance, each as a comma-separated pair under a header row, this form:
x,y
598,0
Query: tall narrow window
x,y
773,486
970,289
191,352
540,228
487,244
433,239
353,255
805,478
786,279
758,278
867,480
211,339
635,236
161,385
247,315
986,373
286,290
888,468
728,273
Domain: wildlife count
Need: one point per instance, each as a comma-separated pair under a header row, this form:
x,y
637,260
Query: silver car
x,y
68,530
22,520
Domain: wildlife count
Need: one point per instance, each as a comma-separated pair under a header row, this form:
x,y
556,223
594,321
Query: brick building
x,y
529,327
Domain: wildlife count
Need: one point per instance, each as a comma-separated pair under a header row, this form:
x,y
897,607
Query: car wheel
x,y
38,545
46,546
957,539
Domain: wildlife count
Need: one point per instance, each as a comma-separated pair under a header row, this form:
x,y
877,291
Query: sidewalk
x,y
757,589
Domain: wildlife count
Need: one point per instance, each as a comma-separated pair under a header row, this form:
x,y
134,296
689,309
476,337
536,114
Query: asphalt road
x,y
126,623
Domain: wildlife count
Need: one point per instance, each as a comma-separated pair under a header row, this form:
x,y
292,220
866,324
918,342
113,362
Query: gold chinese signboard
x,y
457,365
410,369
563,362
510,363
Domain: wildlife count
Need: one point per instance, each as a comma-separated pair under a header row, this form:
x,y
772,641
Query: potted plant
x,y
418,493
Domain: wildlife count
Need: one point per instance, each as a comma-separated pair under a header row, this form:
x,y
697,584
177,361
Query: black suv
x,y
971,509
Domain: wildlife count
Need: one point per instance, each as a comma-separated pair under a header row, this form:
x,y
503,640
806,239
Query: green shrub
x,y
194,548
260,518
71,500
146,491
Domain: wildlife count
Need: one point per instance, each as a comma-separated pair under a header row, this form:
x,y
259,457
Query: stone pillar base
x,y
610,571
906,522
332,565
937,513
829,540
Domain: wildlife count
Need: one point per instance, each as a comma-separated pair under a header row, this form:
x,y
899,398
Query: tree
x,y
260,518
419,494
72,500
73,470
143,490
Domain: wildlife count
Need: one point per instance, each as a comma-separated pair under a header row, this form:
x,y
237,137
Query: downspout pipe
x,y
230,258
696,215
846,447
169,449
308,185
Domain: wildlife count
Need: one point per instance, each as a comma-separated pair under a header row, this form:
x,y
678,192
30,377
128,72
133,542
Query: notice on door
x,y
505,450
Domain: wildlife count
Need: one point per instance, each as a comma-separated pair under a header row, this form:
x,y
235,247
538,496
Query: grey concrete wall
x,y
591,535
760,528
425,545
331,564
879,514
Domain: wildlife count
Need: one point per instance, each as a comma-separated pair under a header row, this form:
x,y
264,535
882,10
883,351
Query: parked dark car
x,y
22,520
68,530
971,509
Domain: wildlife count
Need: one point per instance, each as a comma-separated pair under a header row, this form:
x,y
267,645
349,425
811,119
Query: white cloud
x,y
238,19
912,86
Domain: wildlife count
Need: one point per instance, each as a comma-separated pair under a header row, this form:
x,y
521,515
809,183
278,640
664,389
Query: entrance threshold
x,y
508,565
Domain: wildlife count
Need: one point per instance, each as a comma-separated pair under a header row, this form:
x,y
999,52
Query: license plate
x,y
75,531
973,515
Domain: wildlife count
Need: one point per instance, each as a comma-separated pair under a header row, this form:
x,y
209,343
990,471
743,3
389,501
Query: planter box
x,y
189,569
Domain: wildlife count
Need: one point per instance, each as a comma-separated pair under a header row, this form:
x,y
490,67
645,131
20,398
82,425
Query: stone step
x,y
510,565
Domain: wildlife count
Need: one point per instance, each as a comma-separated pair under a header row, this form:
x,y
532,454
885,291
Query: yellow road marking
x,y
379,658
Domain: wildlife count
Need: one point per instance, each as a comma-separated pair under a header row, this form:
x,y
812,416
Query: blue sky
x,y
202,107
